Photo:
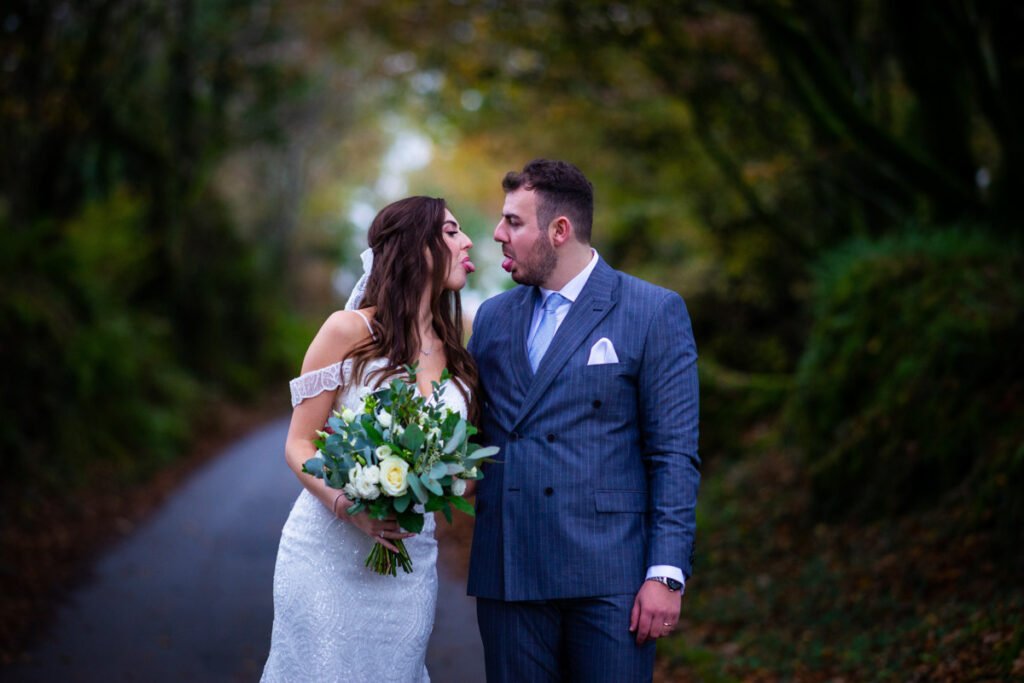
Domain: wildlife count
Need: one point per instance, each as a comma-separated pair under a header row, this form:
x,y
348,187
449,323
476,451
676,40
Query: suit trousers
x,y
584,640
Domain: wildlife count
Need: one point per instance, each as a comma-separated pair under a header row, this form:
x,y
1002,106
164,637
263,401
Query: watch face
x,y
673,584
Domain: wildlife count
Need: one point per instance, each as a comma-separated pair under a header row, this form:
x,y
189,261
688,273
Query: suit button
x,y
597,403
548,491
551,438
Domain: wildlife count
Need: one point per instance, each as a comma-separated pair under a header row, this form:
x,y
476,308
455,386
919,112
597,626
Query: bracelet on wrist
x,y
334,508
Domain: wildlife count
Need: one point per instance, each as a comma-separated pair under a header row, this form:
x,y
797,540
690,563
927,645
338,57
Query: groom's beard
x,y
539,264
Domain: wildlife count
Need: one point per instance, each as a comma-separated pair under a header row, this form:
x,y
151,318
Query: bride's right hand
x,y
382,531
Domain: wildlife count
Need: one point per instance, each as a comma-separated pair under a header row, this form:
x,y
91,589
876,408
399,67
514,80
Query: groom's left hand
x,y
655,611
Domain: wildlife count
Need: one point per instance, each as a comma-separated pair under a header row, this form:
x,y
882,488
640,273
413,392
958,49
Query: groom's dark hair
x,y
562,190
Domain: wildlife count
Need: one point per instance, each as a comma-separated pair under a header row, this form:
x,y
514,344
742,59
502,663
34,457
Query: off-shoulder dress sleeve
x,y
315,382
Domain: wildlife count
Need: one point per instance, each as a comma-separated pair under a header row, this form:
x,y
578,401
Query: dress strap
x,y
365,320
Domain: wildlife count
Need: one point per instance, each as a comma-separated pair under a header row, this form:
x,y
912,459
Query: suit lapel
x,y
520,320
594,303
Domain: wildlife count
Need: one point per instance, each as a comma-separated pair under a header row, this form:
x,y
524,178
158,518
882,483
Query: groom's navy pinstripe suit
x,y
599,469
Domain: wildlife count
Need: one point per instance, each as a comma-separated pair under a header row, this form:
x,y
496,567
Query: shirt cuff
x,y
668,571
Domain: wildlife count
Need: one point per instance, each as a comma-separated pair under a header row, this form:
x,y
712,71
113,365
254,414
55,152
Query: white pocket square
x,y
602,352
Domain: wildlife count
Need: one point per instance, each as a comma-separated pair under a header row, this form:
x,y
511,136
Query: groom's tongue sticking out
x,y
540,247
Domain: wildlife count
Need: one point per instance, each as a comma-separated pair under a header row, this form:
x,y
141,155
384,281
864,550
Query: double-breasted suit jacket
x,y
598,471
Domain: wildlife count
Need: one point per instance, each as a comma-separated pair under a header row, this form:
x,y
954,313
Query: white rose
x,y
384,417
458,486
371,474
348,416
355,473
397,430
394,476
383,452
367,490
351,491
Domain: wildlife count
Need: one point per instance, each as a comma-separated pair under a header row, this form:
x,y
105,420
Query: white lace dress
x,y
335,619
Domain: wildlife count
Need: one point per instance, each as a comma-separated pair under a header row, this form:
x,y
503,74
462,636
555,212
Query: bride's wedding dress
x,y
334,618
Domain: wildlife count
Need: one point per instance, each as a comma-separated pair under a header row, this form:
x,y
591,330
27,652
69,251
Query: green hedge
x,y
112,351
735,406
911,386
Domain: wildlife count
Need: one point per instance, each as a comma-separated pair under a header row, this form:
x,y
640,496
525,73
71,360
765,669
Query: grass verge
x,y
780,596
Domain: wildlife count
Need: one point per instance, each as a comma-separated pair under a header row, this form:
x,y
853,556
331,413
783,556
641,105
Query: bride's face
x,y
459,244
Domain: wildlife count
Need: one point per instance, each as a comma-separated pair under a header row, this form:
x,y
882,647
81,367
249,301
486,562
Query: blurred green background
x,y
834,188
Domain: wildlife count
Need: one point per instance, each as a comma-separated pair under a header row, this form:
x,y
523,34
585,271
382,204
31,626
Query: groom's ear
x,y
560,230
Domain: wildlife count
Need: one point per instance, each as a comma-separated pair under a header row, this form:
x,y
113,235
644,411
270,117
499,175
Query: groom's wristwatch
x,y
671,584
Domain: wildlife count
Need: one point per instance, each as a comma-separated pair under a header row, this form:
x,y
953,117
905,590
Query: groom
x,y
584,531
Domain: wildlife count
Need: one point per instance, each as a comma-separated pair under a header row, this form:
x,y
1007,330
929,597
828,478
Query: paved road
x,y
188,596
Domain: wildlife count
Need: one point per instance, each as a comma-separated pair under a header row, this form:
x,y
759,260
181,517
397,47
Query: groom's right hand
x,y
655,611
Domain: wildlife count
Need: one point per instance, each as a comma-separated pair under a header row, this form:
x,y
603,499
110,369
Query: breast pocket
x,y
599,375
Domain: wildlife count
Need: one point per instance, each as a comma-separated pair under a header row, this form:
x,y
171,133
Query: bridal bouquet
x,y
398,449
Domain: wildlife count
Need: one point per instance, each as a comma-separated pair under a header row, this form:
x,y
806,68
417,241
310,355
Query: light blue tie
x,y
546,329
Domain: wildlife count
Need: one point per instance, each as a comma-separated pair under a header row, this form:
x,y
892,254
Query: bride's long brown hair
x,y
400,236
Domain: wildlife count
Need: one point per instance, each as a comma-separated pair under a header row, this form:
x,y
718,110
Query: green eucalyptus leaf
x,y
345,462
457,437
380,508
481,453
336,478
413,437
446,510
431,484
462,505
314,466
417,488
372,434
438,470
448,426
403,502
411,521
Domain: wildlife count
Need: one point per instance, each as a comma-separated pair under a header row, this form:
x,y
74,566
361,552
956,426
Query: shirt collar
x,y
573,287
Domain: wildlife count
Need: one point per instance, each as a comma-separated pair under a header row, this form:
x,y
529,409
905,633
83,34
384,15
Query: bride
x,y
334,618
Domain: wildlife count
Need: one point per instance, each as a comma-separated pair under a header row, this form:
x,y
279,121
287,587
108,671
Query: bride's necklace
x,y
427,352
